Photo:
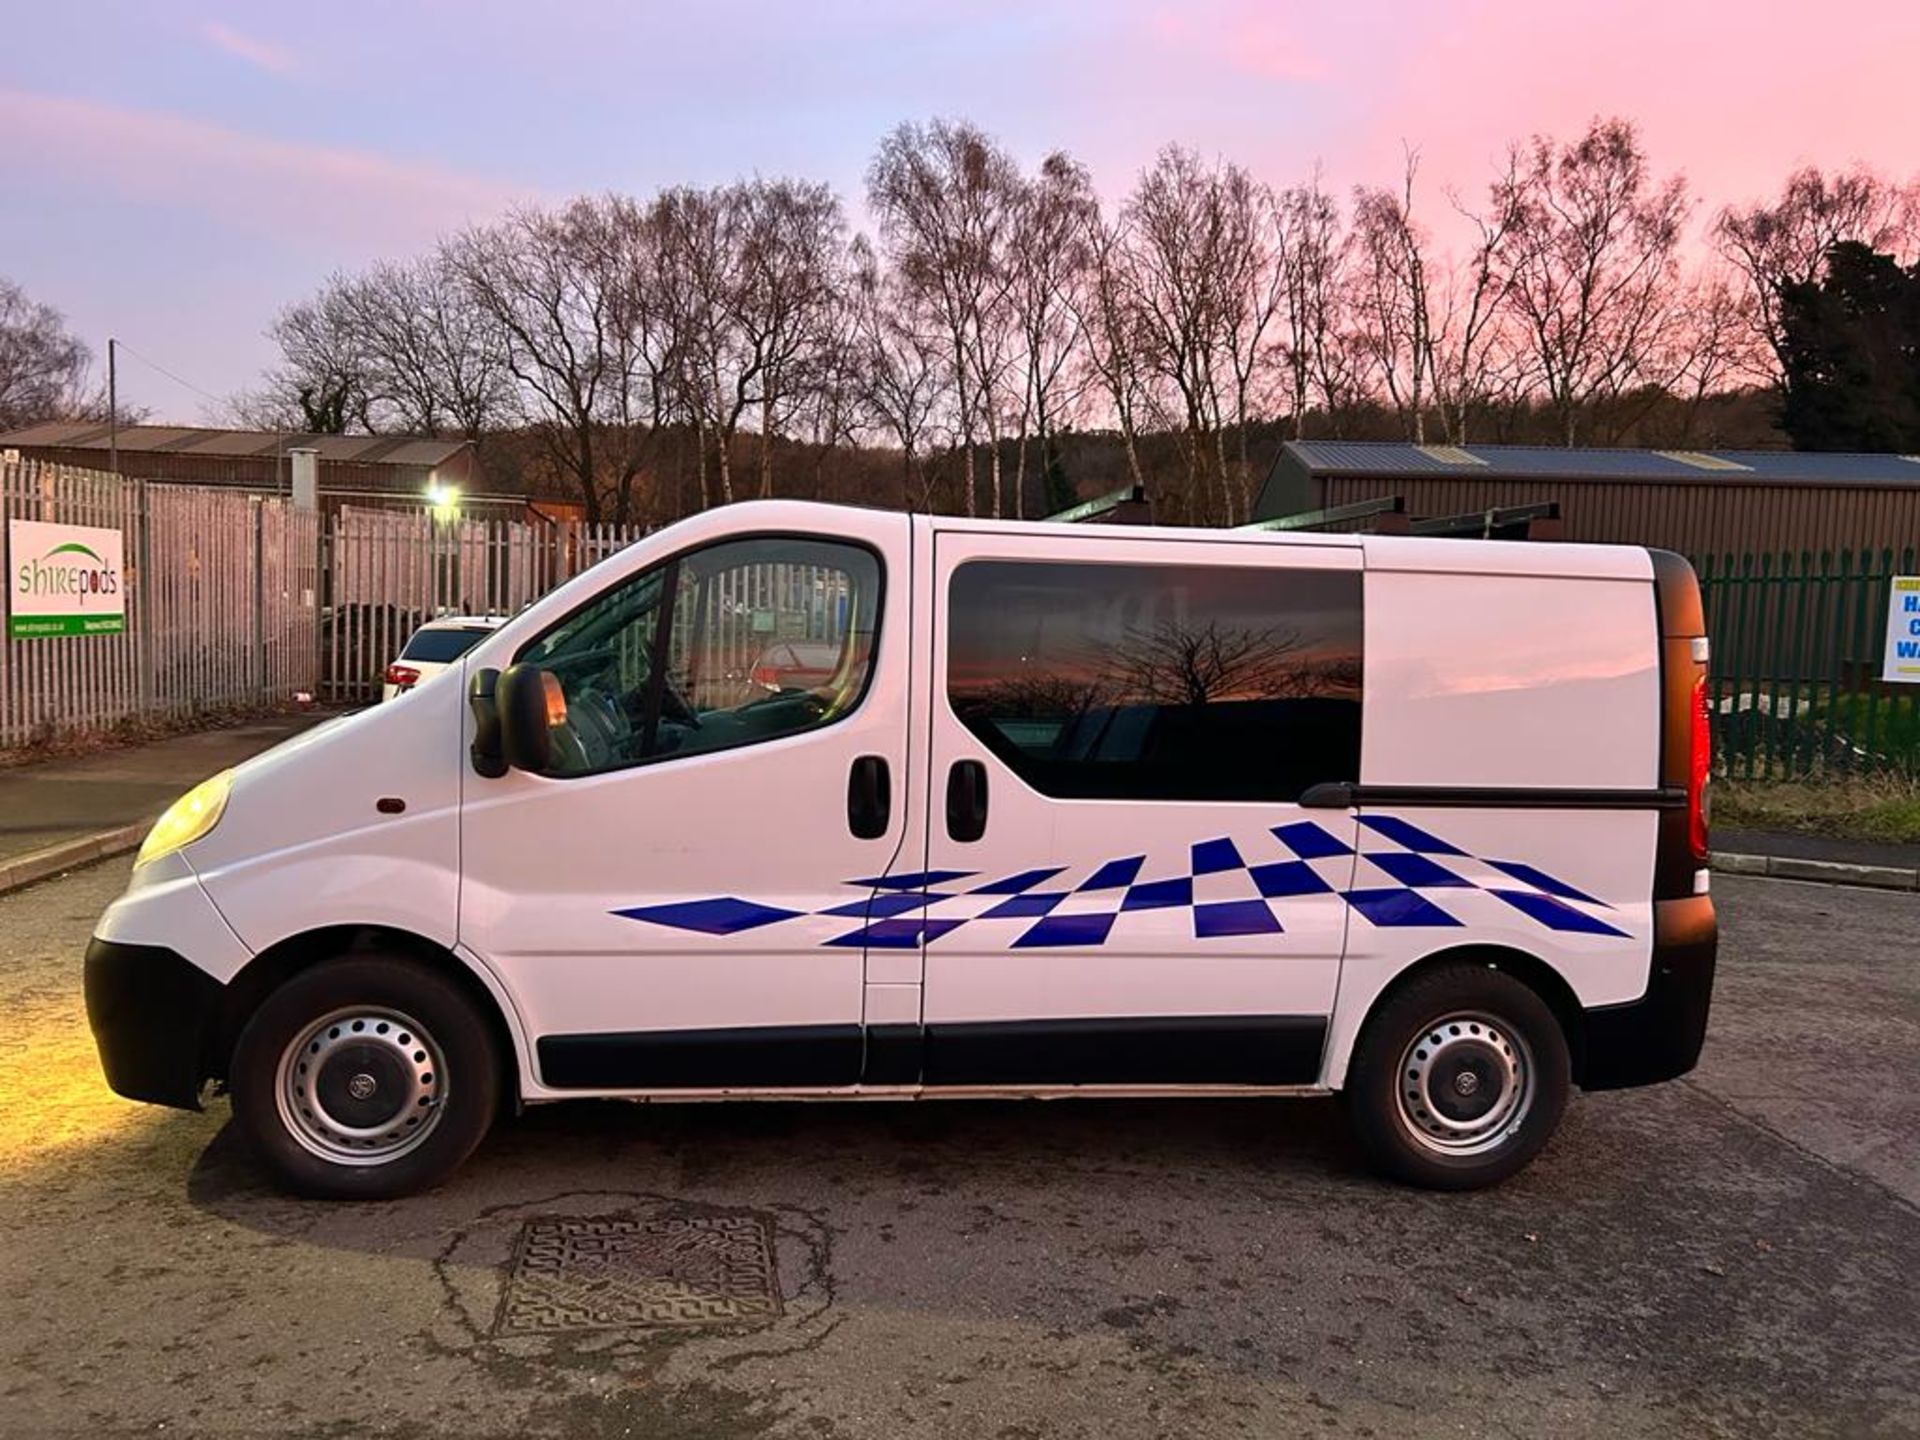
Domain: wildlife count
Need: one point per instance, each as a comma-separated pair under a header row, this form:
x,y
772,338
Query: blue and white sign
x,y
1903,631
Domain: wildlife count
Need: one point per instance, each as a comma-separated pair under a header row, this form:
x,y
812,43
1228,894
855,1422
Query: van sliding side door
x,y
1120,886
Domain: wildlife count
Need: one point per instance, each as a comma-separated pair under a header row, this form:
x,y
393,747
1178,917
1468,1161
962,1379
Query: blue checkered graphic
x,y
1403,877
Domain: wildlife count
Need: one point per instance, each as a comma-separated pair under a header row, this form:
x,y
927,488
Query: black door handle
x,y
967,800
869,797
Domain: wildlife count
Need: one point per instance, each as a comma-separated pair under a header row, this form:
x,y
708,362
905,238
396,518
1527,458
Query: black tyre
x,y
1458,1079
365,1078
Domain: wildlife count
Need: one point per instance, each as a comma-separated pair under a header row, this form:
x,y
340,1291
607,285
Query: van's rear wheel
x,y
366,1077
1458,1079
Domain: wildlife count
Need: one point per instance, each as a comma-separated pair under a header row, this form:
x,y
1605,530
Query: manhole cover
x,y
621,1272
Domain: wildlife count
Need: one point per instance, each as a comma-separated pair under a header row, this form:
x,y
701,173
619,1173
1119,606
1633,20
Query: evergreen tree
x,y
1852,354
1056,490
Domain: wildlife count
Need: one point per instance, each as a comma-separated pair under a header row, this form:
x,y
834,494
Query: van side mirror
x,y
489,758
525,698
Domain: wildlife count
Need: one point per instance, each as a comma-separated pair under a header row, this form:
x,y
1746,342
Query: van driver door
x,y
681,901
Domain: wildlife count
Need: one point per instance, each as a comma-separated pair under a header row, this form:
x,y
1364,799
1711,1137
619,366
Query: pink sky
x,y
212,162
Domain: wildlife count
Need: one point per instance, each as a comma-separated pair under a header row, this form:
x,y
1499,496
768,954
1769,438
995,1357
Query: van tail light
x,y
767,677
1699,771
402,676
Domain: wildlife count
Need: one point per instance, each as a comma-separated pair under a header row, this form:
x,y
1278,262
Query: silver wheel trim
x,y
1433,1053
404,1043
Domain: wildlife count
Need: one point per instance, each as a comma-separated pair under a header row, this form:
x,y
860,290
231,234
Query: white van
x,y
1073,811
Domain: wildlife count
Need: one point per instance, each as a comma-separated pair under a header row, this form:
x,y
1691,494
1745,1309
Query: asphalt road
x,y
1735,1254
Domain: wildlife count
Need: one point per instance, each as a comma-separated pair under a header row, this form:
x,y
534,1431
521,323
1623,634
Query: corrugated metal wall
x,y
267,473
1713,515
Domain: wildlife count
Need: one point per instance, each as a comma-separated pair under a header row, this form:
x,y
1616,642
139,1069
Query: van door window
x,y
1159,682
744,641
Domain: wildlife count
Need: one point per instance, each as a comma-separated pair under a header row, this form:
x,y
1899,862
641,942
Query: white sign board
x,y
64,580
1903,631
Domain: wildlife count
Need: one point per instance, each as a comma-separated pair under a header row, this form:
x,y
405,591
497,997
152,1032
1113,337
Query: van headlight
x,y
187,819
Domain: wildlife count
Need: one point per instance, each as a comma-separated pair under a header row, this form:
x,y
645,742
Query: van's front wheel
x,y
366,1077
1458,1079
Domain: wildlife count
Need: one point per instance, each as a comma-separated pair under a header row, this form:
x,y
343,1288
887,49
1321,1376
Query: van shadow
x,y
825,1157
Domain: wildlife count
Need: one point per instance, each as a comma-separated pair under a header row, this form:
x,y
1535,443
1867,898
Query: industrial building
x,y
1692,501
358,470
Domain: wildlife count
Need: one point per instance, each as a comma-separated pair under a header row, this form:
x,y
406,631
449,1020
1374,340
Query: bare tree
x,y
1313,258
1253,288
1197,261
562,286
326,376
1467,341
400,347
1111,334
436,363
1786,242
643,350
43,365
944,193
898,355
1593,256
829,406
1392,295
996,310
1048,263
790,234
716,369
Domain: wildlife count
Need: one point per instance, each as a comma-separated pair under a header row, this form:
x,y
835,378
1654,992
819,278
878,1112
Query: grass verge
x,y
1885,809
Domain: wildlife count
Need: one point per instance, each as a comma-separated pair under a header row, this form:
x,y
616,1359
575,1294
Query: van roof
x,y
1382,552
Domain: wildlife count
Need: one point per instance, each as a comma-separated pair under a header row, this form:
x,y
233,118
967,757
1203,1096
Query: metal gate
x,y
386,572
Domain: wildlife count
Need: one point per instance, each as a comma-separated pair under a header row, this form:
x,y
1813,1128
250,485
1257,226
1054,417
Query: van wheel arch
x,y
284,959
1530,970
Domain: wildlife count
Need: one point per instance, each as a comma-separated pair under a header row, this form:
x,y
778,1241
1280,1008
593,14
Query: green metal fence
x,y
1797,646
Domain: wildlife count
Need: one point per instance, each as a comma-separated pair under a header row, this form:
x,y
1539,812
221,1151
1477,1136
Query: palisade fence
x,y
386,571
219,593
239,601
1798,640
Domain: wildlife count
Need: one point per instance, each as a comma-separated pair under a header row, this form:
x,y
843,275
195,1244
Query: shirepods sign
x,y
64,580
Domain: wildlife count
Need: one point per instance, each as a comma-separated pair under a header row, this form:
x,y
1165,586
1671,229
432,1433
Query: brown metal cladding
x,y
1713,516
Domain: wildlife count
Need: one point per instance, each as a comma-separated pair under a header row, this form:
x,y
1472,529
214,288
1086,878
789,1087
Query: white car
x,y
1070,811
433,647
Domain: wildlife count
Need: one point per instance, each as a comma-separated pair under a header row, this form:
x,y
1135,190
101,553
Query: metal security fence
x,y
232,587
219,594
1797,646
235,600
384,572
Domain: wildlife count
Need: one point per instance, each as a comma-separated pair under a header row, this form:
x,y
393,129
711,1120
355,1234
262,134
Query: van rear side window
x,y
1159,682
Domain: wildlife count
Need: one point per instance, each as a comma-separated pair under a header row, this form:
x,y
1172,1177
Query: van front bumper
x,y
154,1016
1658,1036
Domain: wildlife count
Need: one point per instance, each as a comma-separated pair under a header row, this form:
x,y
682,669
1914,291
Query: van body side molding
x,y
1122,1050
1128,1050
1345,795
757,1055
